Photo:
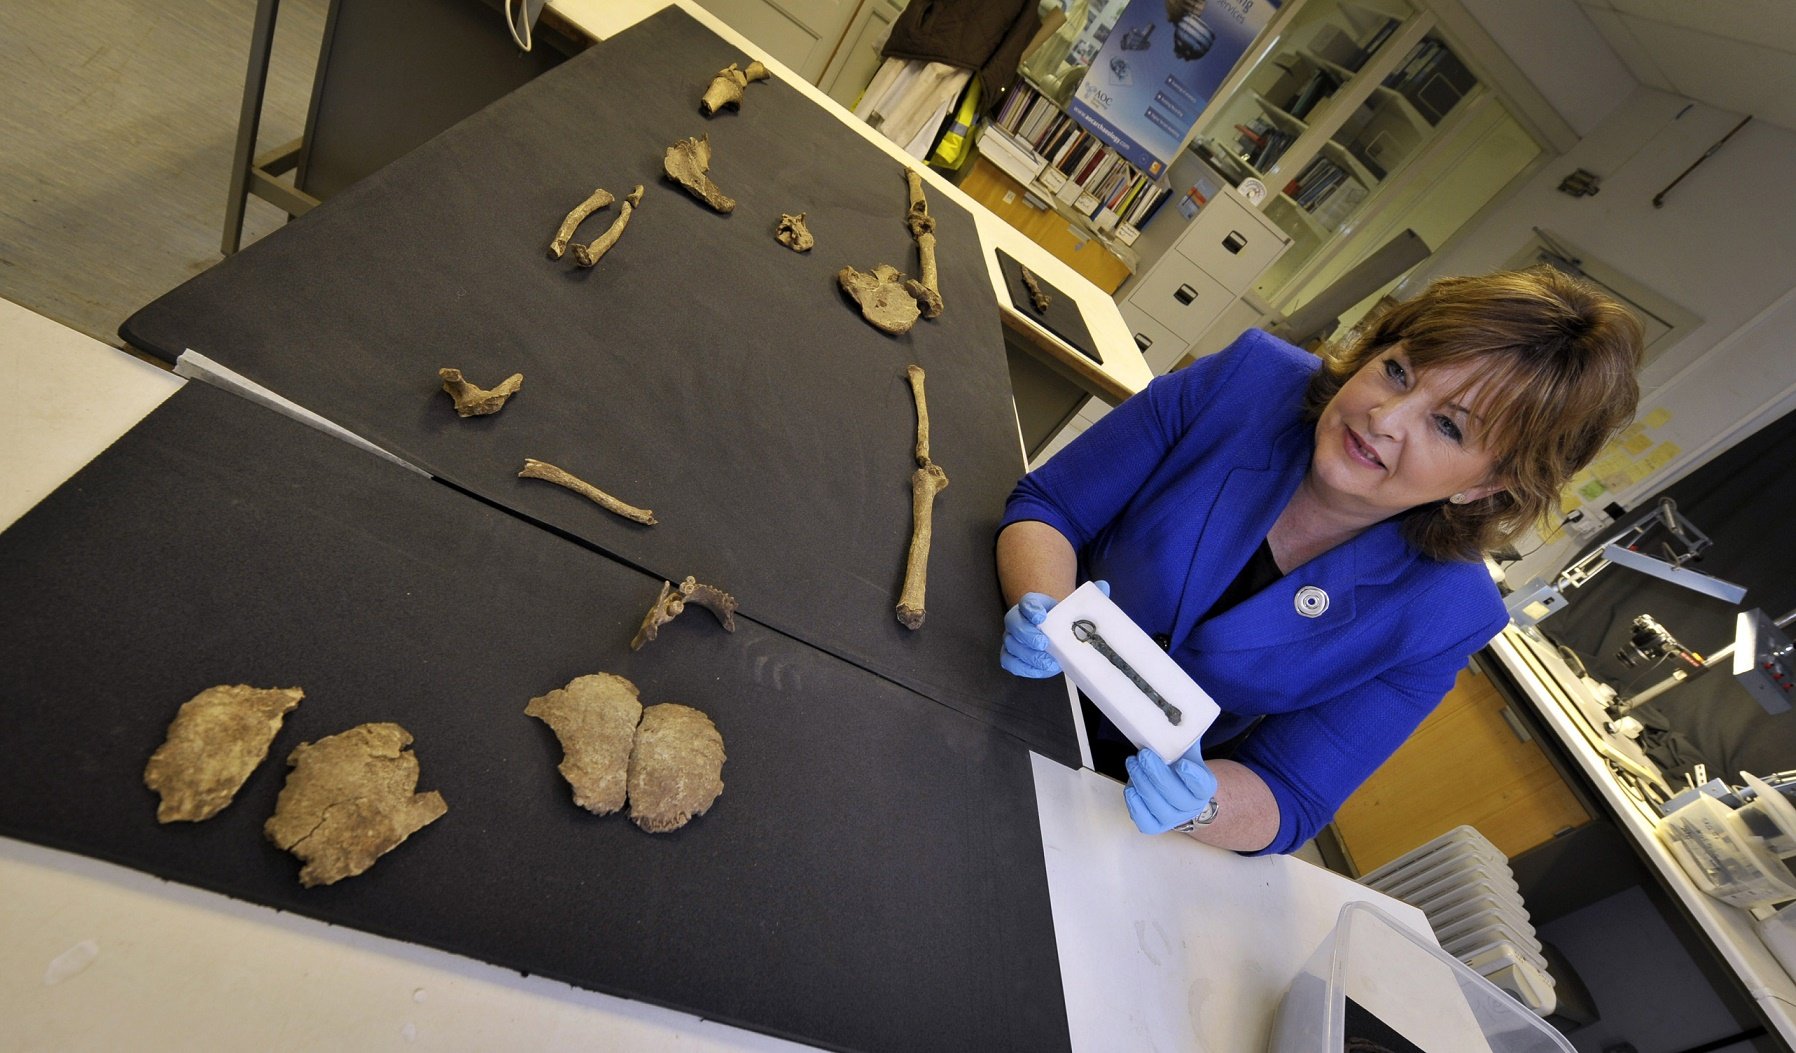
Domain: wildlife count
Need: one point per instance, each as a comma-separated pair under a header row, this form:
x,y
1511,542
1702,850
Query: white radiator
x,y
1463,884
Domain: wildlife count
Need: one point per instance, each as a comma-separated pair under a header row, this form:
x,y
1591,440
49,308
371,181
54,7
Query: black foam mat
x,y
701,370
872,877
1062,318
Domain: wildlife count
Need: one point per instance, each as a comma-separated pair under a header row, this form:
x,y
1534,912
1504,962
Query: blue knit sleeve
x,y
1313,759
1081,489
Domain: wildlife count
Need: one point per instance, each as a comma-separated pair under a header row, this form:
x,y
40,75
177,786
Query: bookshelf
x,y
1066,169
1339,99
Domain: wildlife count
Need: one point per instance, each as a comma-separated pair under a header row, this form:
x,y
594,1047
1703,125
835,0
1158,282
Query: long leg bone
x,y
599,199
471,400
922,227
535,469
587,255
927,481
726,88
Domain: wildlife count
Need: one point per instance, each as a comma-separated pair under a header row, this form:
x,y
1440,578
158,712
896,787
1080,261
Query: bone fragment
x,y
599,199
349,800
215,742
885,301
686,163
587,255
726,88
793,233
922,228
472,400
535,469
676,767
1037,295
594,718
927,481
672,601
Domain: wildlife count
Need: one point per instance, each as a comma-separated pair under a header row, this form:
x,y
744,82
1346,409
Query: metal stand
x,y
257,175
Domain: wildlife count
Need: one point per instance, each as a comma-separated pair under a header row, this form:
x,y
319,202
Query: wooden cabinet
x,y
1466,765
1217,258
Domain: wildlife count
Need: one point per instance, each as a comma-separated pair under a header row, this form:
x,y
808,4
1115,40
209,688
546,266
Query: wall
x,y
1723,246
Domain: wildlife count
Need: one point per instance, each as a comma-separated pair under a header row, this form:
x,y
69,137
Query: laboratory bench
x,y
908,852
1621,783
1161,939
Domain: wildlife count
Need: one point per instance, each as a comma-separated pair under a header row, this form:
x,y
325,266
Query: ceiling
x,y
1736,55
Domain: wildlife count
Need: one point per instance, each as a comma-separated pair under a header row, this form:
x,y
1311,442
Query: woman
x,y
1304,537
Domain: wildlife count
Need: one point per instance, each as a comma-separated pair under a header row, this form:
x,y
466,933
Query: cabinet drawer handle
x,y
1185,295
1143,341
1234,242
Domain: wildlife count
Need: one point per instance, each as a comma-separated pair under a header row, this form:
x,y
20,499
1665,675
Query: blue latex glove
x,y
1161,797
1025,649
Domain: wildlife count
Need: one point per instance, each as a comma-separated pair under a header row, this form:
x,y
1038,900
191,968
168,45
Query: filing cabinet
x,y
1220,255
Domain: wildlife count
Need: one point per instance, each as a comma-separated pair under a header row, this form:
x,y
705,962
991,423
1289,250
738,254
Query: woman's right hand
x,y
1025,649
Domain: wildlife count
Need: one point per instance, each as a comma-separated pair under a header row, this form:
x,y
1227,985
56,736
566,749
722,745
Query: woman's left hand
x,y
1162,796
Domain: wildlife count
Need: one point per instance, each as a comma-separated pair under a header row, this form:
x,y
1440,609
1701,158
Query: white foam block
x,y
1112,690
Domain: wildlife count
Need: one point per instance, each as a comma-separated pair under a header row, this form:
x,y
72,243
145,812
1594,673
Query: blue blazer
x,y
1168,496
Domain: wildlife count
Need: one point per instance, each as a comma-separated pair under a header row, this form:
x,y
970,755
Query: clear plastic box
x,y
1416,990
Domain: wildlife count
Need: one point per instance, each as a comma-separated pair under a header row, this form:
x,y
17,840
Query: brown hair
x,y
1556,358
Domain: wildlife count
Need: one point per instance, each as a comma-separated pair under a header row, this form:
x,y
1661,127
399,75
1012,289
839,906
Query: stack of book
x,y
1262,143
1039,145
1316,183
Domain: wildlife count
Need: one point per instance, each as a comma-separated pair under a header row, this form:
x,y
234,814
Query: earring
x,y
1458,499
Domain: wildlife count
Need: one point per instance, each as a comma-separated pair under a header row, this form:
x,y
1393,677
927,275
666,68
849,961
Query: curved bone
x,y
671,603
535,469
471,400
599,199
587,255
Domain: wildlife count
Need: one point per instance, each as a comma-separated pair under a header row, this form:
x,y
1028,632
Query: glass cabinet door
x,y
1337,101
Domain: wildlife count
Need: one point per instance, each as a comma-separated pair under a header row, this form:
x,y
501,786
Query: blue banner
x,y
1158,69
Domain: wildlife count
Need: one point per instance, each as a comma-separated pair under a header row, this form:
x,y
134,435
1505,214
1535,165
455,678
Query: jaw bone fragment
x,y
726,88
676,767
599,199
686,163
884,295
587,255
793,234
472,400
216,740
535,469
594,718
922,228
672,602
927,481
349,800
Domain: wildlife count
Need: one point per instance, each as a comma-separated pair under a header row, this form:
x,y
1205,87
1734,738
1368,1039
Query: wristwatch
x,y
1203,818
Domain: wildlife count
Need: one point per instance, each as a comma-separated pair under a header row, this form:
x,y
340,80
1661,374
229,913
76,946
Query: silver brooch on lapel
x,y
1311,601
